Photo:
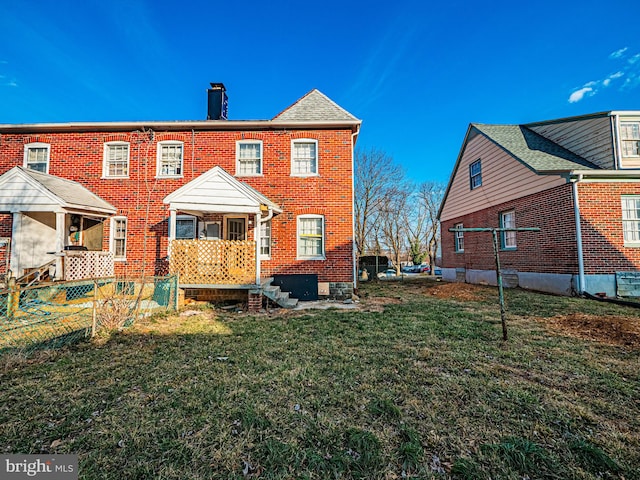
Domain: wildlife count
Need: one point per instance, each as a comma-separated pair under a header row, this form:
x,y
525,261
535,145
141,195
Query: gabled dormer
x,y
610,140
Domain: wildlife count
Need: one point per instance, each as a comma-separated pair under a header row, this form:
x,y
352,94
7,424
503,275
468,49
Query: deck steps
x,y
275,294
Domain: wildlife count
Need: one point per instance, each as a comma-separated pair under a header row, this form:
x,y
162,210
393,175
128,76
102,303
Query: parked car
x,y
423,268
388,273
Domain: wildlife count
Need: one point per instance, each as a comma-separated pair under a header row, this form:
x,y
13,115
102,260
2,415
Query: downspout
x,y
576,214
353,207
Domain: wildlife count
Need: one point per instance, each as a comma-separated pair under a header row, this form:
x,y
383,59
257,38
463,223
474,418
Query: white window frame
x,y
508,239
38,145
240,161
184,218
630,220
205,225
475,179
265,240
106,159
112,238
635,138
294,159
169,143
300,235
458,238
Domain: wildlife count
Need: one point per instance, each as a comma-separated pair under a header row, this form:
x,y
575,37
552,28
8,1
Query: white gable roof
x,y
24,190
216,191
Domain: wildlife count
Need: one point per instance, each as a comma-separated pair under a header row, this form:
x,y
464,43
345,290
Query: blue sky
x,y
416,72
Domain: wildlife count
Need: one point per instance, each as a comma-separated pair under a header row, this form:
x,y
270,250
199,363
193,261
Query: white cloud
x,y
579,94
618,53
634,59
607,81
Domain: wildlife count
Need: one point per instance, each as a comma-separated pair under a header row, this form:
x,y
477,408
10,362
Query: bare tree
x,y
431,195
417,225
392,220
375,174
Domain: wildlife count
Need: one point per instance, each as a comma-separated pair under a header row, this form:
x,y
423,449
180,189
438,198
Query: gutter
x,y
576,214
353,206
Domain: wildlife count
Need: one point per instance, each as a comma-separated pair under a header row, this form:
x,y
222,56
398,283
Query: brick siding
x,y
79,156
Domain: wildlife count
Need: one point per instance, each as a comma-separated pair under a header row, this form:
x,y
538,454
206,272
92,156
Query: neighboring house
x,y
577,179
224,203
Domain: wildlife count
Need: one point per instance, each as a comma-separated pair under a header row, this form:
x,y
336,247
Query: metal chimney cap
x,y
217,86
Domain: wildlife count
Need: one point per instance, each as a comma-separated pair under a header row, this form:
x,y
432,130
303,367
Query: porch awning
x,y
216,191
24,190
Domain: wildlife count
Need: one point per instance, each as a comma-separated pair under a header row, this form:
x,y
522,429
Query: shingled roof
x,y
532,149
313,107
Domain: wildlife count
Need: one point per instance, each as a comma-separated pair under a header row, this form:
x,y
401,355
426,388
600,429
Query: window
x,y
631,219
304,157
116,160
211,231
508,220
475,174
170,159
459,238
248,157
311,237
36,157
630,138
185,227
119,238
265,238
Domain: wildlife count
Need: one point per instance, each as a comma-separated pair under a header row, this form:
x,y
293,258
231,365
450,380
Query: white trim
x,y
112,231
321,256
29,146
260,159
505,235
224,233
317,159
166,143
457,237
633,221
105,159
259,230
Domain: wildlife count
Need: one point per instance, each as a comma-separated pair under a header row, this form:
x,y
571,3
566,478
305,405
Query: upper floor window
x,y
311,237
508,220
475,174
170,159
630,139
248,157
459,237
304,157
36,157
631,219
119,238
116,159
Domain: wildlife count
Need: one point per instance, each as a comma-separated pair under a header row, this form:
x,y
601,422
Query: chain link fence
x,y
62,313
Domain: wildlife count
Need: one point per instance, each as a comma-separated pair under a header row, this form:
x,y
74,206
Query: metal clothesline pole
x,y
496,250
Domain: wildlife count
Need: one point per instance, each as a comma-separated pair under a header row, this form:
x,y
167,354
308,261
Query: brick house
x,y
224,203
577,179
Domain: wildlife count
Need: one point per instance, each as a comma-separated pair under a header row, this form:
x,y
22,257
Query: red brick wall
x,y
602,238
554,249
79,157
551,250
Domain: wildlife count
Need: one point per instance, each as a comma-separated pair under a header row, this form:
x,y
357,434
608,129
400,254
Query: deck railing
x,y
79,265
213,262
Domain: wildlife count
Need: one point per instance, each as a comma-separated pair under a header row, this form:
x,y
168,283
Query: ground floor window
x,y
311,237
631,219
119,238
265,239
185,227
459,237
508,220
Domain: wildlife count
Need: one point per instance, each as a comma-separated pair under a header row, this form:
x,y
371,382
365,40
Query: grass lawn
x,y
416,383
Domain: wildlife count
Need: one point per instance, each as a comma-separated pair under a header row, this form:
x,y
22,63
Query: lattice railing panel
x,y
213,262
79,265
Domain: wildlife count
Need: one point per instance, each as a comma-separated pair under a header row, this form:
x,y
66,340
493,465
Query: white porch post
x,y
172,229
16,230
60,233
256,237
